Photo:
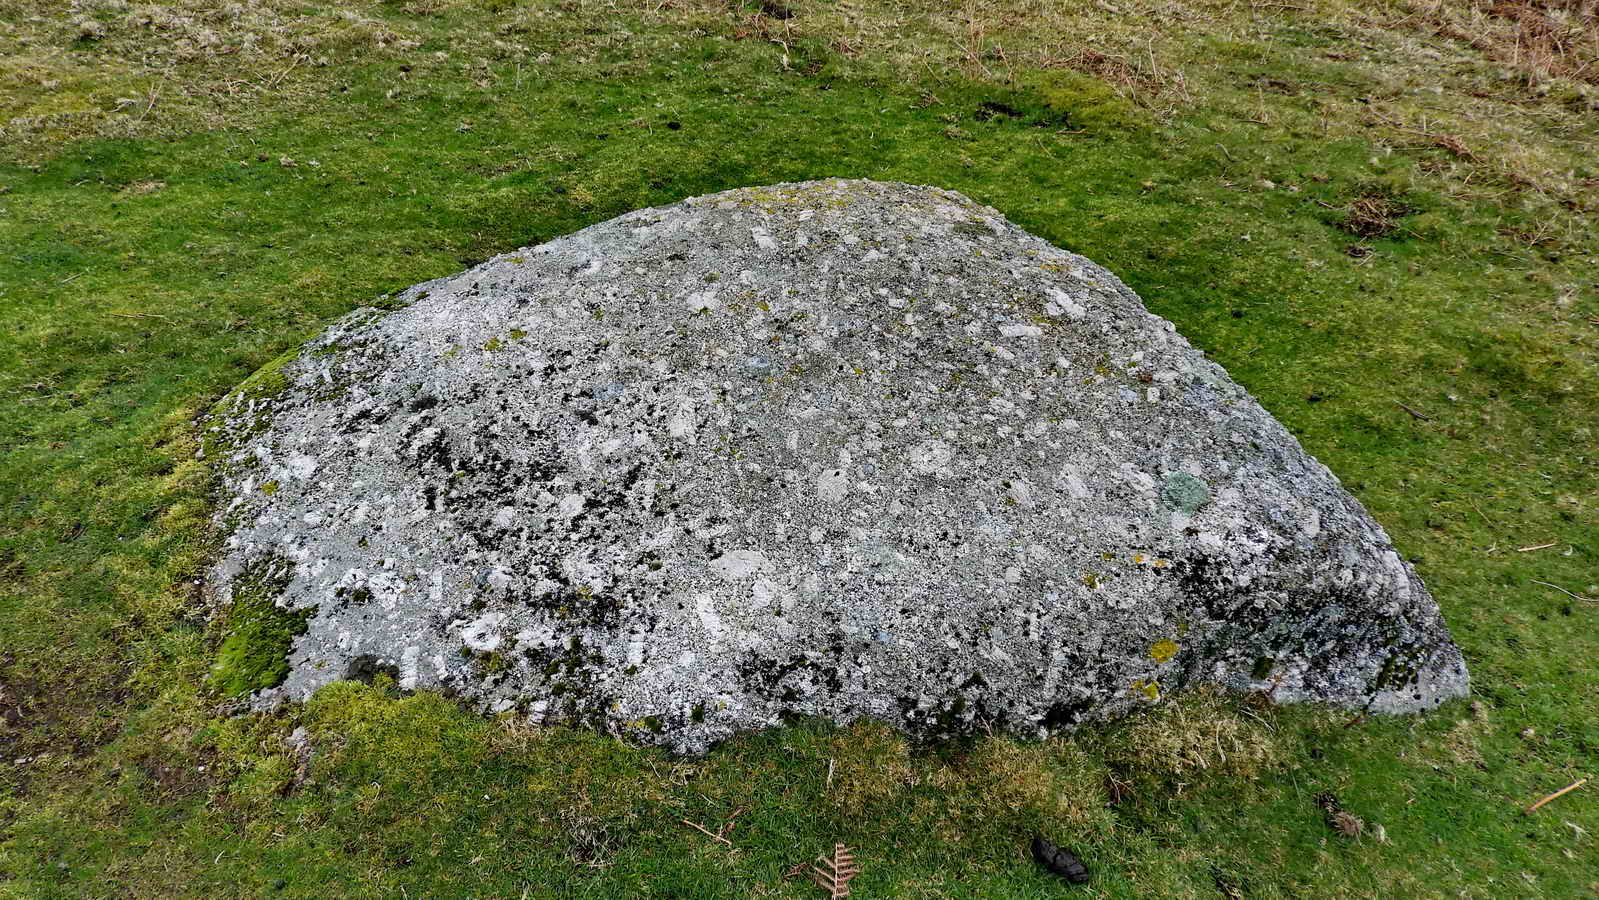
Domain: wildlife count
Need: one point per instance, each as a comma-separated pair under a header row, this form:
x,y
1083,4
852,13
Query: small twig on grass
x,y
727,827
829,785
71,277
1420,415
1479,511
1565,790
1566,592
719,834
138,316
710,834
155,94
283,74
1539,547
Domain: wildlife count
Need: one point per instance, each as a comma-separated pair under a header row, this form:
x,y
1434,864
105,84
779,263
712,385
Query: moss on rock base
x,y
258,635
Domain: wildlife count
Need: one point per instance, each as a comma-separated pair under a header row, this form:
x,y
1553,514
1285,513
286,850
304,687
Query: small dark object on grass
x,y
988,109
1226,884
776,10
1346,824
1059,860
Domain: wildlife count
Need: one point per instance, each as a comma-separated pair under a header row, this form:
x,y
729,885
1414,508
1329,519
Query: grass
x,y
1383,230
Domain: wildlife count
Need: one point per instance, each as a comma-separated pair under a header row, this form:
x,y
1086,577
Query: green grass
x,y
154,256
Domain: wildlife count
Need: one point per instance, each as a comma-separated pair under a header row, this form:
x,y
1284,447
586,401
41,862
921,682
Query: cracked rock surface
x,y
839,448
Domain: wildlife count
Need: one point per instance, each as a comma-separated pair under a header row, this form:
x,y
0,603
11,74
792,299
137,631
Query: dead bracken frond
x,y
1454,145
833,874
1348,825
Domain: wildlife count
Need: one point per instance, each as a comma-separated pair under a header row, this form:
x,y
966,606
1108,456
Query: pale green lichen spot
x,y
1185,492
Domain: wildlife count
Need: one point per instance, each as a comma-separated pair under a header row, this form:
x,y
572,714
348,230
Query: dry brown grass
x,y
1510,109
1200,732
1462,744
1542,39
1054,782
1374,215
184,65
871,764
1051,781
930,40
111,68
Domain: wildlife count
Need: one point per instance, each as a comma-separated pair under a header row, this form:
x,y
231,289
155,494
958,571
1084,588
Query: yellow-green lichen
x,y
269,488
1163,651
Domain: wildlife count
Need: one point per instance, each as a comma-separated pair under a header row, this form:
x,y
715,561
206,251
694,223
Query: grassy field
x,y
1379,216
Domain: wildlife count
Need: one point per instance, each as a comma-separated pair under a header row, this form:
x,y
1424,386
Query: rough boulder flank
x,y
839,448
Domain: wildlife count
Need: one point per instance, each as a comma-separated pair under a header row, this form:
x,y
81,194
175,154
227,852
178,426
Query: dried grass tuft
x,y
1199,732
871,765
1374,215
1541,39
1053,781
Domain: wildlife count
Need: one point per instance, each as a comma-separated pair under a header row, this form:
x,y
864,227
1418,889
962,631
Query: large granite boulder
x,y
840,448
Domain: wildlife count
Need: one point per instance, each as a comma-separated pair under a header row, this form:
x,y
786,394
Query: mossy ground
x,y
186,190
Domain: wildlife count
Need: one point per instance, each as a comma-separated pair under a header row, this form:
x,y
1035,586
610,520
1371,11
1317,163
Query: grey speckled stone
x,y
837,448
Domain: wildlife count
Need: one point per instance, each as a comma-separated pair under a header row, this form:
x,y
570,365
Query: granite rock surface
x,y
839,448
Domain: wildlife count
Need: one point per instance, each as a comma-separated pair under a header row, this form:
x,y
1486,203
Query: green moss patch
x,y
258,635
265,383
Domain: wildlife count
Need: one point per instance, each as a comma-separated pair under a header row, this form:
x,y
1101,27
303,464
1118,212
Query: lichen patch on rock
x,y
840,448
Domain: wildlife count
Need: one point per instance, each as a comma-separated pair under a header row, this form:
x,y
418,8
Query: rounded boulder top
x,y
841,448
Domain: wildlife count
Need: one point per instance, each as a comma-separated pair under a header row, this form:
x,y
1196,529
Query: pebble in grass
x,y
839,448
